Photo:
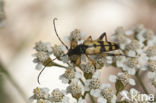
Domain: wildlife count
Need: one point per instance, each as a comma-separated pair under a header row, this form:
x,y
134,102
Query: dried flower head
x,y
75,88
151,51
40,93
58,51
69,75
57,95
75,35
44,47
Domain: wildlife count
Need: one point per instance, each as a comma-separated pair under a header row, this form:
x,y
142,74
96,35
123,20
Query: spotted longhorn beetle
x,y
88,47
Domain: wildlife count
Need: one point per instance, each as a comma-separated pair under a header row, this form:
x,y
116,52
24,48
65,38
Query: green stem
x,y
82,82
4,71
141,83
84,96
92,98
58,65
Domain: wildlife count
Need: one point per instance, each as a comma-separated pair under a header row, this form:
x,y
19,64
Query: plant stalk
x,y
4,71
141,82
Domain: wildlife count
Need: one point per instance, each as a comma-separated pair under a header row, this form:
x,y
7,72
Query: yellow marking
x,y
96,43
97,50
90,50
88,43
93,50
73,44
105,43
107,48
78,60
113,47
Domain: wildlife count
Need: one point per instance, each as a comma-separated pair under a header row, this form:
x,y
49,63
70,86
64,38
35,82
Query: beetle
x,y
88,47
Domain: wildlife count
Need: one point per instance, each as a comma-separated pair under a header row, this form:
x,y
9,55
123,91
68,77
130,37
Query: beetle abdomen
x,y
96,47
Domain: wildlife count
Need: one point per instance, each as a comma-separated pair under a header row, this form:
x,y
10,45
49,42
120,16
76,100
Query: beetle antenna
x,y
38,78
57,33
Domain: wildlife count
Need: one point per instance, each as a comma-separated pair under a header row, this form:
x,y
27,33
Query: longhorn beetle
x,y
88,47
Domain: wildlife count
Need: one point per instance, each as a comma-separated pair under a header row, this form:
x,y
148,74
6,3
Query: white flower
x,y
39,66
58,51
41,57
75,88
103,59
131,81
101,100
124,77
112,78
58,96
152,78
106,94
87,68
43,101
132,64
131,53
151,51
93,85
44,47
109,59
40,93
81,100
152,65
75,35
141,49
150,37
69,75
133,45
65,58
120,61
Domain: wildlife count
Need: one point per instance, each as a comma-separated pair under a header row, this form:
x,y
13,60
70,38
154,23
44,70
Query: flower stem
x,y
4,71
92,98
141,83
82,82
58,65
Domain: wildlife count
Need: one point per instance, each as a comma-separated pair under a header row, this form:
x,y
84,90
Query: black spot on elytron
x,y
116,46
102,49
94,45
110,46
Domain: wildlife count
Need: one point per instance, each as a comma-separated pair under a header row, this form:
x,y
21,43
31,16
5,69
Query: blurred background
x,y
24,22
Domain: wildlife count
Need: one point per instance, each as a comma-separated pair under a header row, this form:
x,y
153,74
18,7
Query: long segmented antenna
x,y
38,78
57,33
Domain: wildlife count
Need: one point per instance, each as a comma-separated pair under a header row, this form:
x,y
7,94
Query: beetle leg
x,y
111,54
78,60
89,39
89,58
102,36
73,44
115,54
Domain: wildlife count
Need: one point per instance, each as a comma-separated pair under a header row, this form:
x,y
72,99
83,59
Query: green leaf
x,y
119,86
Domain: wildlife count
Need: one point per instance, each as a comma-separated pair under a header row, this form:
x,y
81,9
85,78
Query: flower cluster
x,y
42,95
82,73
